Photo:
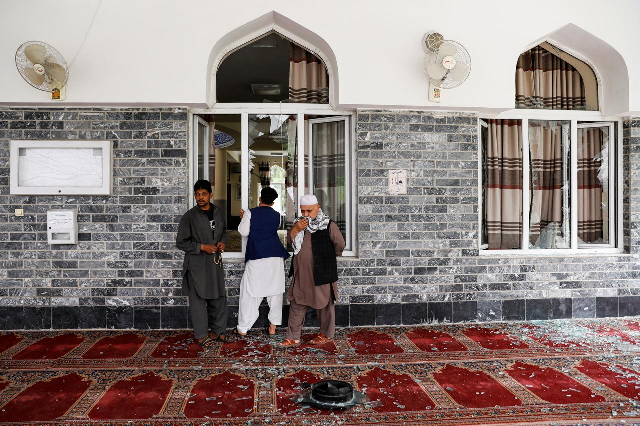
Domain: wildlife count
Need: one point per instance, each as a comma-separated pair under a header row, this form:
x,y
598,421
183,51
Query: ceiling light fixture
x,y
265,89
222,139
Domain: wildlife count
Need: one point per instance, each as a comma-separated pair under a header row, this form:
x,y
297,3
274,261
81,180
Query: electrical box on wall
x,y
62,227
397,182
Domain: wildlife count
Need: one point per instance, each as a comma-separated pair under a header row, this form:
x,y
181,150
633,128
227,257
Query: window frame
x,y
586,119
300,110
196,151
347,158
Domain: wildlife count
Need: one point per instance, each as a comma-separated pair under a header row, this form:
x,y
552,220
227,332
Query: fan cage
x,y
22,63
461,56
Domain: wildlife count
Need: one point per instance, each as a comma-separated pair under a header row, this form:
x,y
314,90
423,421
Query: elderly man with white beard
x,y
317,242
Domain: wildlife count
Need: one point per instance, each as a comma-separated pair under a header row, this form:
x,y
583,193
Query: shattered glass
x,y
549,216
593,185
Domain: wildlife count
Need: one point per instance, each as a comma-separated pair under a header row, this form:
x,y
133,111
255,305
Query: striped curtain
x,y
502,208
265,173
545,81
546,139
329,179
308,77
592,144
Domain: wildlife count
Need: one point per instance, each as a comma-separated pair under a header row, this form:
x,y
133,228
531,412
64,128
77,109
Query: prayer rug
x,y
561,372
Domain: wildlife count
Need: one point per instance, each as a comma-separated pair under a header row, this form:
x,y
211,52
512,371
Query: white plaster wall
x,y
156,51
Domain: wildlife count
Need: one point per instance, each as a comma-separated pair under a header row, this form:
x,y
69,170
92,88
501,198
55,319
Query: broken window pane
x,y
272,142
593,185
549,223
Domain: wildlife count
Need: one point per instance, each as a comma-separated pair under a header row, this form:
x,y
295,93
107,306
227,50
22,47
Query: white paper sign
x,y
62,219
60,167
397,182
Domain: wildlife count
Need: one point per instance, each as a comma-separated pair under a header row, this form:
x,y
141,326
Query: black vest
x,y
325,264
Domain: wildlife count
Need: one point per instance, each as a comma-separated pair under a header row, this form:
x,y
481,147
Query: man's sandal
x,y
237,334
224,338
288,343
267,330
207,342
320,339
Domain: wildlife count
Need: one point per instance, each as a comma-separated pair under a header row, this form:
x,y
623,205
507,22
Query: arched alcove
x,y
549,78
606,62
253,30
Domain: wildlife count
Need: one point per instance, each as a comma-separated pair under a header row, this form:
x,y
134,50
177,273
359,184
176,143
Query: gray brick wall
x,y
631,153
417,253
125,261
422,247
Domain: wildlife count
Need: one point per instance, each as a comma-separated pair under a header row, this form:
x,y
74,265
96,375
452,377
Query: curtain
x,y
329,170
264,170
545,81
591,194
546,139
502,208
308,78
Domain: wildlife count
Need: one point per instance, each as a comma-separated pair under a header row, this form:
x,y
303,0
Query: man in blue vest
x,y
264,268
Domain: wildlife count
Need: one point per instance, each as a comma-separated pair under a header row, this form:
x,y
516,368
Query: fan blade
x,y
460,71
34,77
55,71
436,71
35,53
447,49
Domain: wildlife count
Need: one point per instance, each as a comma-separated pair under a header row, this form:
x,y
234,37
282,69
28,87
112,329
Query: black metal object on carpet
x,y
332,394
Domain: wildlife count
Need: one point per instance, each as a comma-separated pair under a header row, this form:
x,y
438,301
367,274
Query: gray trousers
x,y
206,313
297,313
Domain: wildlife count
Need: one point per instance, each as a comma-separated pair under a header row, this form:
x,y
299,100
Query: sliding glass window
x,y
558,174
243,153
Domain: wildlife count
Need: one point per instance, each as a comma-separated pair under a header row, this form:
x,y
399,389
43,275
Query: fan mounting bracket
x,y
434,93
58,93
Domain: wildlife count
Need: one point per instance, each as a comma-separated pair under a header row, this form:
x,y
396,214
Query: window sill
x,y
552,252
239,257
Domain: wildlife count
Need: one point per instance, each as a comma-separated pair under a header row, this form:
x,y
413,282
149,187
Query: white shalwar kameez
x,y
261,278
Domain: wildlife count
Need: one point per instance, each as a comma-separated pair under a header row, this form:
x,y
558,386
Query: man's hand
x,y
301,225
241,213
208,248
220,246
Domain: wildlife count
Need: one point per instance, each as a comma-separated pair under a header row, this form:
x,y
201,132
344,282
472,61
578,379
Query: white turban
x,y
308,200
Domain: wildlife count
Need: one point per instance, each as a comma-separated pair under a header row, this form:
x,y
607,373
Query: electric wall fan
x,y
446,64
43,67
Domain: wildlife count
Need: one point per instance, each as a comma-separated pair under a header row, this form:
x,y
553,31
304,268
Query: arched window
x,y
283,130
548,78
272,69
550,179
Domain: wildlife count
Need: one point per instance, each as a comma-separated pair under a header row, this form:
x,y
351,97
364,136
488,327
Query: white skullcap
x,y
308,200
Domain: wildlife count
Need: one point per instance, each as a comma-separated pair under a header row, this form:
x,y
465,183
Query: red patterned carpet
x,y
551,372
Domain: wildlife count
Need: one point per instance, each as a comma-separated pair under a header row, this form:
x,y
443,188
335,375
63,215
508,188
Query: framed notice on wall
x,y
61,167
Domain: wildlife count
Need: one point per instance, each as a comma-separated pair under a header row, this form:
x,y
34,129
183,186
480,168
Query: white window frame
x,y
347,155
586,119
196,149
300,110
